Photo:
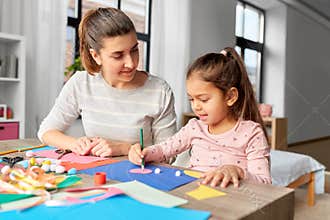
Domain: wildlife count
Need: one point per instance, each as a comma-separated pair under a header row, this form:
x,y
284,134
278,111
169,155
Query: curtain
x,y
170,47
43,23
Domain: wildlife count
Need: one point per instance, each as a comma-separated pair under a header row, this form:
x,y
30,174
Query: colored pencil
x,y
142,146
21,149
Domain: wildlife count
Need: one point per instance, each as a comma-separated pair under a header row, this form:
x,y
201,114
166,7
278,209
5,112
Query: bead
x,y
25,164
39,160
5,169
72,171
178,173
45,167
46,162
29,153
53,167
60,169
32,161
157,171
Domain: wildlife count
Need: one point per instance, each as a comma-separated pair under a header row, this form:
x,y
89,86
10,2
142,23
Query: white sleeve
x,y
65,110
164,125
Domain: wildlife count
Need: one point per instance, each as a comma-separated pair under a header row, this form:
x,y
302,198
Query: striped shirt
x,y
112,113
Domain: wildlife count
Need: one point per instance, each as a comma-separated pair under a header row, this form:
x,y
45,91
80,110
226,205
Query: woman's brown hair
x,y
96,25
226,70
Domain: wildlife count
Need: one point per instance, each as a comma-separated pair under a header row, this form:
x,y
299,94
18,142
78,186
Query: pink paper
x,y
140,171
70,157
112,191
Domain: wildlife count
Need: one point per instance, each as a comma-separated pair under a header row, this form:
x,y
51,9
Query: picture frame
x,y
3,112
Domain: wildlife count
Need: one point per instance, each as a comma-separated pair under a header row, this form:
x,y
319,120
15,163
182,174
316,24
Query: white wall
x,y
212,26
273,78
307,97
296,70
182,31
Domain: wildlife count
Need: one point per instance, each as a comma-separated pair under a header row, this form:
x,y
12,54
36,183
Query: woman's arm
x,y
164,126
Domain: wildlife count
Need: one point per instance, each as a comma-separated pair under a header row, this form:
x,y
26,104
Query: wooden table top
x,y
249,201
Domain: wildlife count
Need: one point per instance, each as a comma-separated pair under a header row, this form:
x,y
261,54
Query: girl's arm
x,y
174,145
258,166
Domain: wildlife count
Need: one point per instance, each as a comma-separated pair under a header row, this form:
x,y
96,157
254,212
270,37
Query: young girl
x,y
228,142
111,94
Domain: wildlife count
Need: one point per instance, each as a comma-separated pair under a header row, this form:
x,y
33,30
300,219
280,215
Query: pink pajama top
x,y
245,145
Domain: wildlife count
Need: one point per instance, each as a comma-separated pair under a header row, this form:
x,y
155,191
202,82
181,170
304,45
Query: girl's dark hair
x,y
96,25
226,70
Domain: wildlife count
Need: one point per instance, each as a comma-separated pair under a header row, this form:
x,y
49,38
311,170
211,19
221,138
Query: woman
x,y
113,98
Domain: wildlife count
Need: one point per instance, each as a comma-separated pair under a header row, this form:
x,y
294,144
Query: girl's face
x,y
207,101
119,59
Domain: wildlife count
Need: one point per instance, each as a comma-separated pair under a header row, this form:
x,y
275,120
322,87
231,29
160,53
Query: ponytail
x,y
249,108
86,58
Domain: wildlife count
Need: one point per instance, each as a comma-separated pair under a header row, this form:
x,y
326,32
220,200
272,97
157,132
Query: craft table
x,y
249,201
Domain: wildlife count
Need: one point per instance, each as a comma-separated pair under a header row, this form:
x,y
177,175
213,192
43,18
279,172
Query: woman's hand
x,y
106,148
135,154
82,145
224,175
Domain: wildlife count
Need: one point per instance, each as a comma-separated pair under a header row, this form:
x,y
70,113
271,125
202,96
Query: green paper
x,y
69,181
4,198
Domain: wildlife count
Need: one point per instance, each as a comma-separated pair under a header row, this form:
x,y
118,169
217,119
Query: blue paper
x,y
118,207
165,180
43,148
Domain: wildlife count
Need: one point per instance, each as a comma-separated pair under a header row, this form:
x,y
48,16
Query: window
x,y
250,41
139,12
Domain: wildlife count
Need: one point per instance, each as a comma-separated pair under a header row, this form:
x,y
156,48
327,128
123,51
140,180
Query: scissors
x,y
62,152
12,160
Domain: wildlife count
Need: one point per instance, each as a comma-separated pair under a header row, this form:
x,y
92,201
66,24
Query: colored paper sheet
x,y
44,148
69,181
205,192
165,180
192,173
149,195
79,166
4,198
71,157
84,166
118,207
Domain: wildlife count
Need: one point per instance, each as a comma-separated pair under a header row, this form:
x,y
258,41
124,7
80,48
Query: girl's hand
x,y
135,154
224,175
106,148
82,145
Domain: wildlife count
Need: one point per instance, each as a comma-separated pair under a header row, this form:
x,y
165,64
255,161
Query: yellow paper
x,y
195,174
205,192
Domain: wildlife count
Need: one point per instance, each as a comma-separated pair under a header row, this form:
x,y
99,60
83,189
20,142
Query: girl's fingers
x,y
134,157
216,179
203,175
235,181
225,181
137,149
207,179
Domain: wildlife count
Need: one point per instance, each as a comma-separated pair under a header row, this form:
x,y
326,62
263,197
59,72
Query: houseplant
x,y
70,70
